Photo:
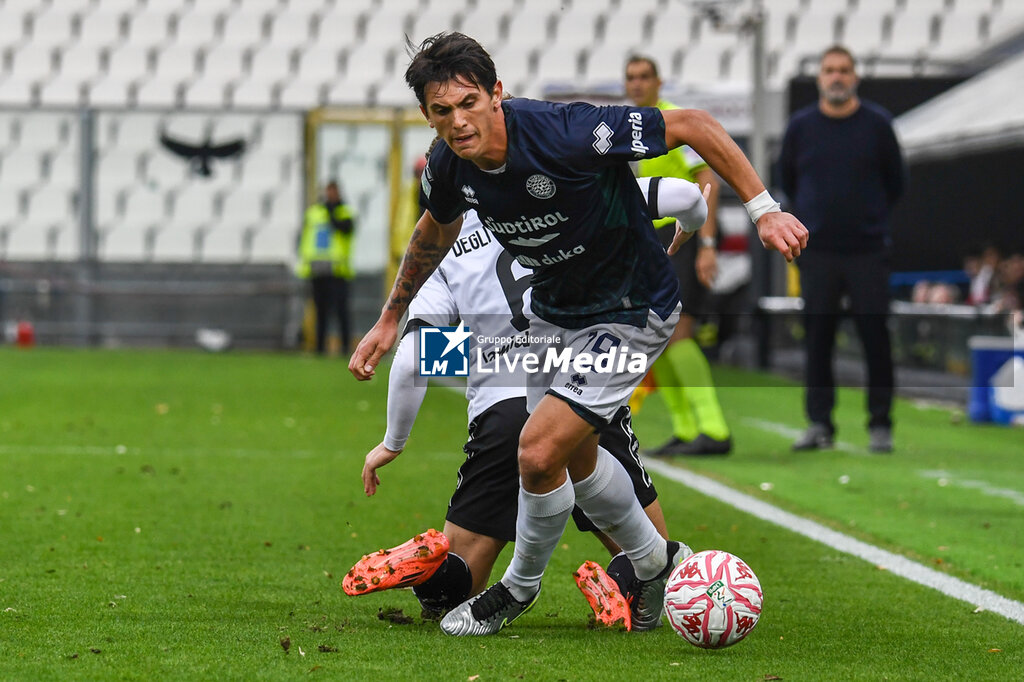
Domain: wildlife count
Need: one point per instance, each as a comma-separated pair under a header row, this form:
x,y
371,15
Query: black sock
x,y
448,587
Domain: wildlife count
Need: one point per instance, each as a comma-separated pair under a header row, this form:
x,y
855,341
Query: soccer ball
x,y
713,599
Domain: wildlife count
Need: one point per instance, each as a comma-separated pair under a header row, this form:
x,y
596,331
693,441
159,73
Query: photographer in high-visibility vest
x,y
325,251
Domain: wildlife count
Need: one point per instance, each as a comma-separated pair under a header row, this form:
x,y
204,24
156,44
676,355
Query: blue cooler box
x,y
994,362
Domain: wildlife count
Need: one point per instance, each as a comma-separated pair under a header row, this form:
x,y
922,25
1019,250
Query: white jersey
x,y
484,286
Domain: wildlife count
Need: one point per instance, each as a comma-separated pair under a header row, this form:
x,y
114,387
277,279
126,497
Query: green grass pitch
x,y
177,515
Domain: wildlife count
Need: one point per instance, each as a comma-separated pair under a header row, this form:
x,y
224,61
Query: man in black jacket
x,y
842,169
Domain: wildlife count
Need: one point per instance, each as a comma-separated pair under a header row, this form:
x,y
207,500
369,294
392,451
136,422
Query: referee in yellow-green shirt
x,y
682,372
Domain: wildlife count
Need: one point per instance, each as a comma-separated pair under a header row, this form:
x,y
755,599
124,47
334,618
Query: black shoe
x,y
816,437
880,439
706,445
647,597
670,447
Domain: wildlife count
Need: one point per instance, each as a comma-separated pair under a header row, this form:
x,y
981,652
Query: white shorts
x,y
622,355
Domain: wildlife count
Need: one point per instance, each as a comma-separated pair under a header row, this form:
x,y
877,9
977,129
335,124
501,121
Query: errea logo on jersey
x,y
602,138
636,122
444,351
470,195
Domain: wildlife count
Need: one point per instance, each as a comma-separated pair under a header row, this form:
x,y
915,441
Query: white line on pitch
x,y
894,563
986,488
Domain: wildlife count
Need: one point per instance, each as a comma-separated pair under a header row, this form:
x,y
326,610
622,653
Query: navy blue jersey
x,y
566,205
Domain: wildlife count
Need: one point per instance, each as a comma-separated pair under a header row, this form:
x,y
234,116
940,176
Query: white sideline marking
x,y
792,434
898,565
985,487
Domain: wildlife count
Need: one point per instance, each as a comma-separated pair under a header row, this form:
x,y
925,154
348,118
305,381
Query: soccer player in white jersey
x,y
479,284
552,183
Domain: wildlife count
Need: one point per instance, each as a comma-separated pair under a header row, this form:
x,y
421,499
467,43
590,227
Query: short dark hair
x,y
449,56
643,59
838,49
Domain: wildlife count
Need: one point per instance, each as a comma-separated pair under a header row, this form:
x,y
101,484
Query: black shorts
x,y
691,292
486,496
618,438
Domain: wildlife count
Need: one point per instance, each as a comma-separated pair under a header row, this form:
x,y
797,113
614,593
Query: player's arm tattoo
x,y
424,254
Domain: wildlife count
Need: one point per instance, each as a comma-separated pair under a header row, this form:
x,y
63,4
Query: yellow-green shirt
x,y
322,248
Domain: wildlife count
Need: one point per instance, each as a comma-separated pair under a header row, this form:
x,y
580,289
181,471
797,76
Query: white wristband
x,y
761,204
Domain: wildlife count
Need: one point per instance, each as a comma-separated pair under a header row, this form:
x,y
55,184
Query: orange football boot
x,y
410,563
609,606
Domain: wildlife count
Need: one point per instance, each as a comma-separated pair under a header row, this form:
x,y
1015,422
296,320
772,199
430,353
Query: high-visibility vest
x,y
322,248
681,162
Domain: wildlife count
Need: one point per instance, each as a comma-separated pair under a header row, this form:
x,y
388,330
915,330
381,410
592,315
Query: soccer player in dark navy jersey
x,y
552,183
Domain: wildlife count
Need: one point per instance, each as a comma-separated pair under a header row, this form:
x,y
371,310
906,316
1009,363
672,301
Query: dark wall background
x,y
954,206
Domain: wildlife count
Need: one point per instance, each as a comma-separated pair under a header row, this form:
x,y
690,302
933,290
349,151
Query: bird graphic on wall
x,y
199,157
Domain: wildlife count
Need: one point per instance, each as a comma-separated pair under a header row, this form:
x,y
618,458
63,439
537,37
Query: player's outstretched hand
x,y
375,459
681,235
782,232
374,345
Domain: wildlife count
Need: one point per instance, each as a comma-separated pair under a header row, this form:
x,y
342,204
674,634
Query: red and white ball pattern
x,y
713,599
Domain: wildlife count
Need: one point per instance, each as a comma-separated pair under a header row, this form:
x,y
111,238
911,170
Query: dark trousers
x,y
330,298
824,279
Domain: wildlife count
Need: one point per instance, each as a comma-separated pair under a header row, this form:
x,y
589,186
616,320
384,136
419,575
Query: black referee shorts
x,y
691,292
486,496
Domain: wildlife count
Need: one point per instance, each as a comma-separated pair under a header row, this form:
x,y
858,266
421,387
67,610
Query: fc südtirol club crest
x,y
540,186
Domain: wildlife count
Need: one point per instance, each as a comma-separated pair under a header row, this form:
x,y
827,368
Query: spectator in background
x,y
842,169
980,289
325,259
682,372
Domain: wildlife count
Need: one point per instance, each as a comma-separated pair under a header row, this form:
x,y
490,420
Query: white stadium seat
x,y
530,28
300,95
100,28
21,168
863,32
149,28
224,242
271,64
290,30
253,94
197,28
483,24
243,29
51,28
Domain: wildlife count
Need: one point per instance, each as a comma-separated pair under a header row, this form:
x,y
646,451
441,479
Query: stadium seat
x,y
959,35
483,24
225,242
559,63
529,29
79,63
197,28
814,31
52,27
20,169
61,93
577,28
625,28
281,133
337,28
254,94
300,95
702,66
863,32
196,202
243,29
12,205
911,32
245,205
290,30
31,63
176,242
61,169
101,28
223,64
149,28
273,244
394,92
430,23
386,27
45,131
30,240
137,131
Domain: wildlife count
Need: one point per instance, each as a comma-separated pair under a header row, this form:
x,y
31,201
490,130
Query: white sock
x,y
607,497
539,526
